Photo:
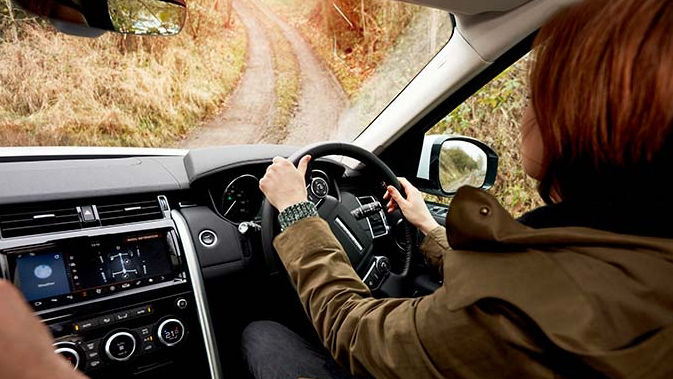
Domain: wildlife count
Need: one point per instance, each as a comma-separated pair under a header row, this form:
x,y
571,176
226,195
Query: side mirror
x,y
450,162
91,17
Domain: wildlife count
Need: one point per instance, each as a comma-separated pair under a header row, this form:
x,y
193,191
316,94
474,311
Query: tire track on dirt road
x,y
250,109
322,100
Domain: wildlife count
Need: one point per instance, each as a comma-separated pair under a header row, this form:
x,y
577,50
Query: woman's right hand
x,y
413,207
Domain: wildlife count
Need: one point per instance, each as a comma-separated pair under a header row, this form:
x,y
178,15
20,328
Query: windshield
x,y
242,71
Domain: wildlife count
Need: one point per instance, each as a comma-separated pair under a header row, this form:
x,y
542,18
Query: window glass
x,y
241,71
492,115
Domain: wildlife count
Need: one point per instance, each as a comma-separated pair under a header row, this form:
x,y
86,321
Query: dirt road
x,y
251,106
250,109
322,99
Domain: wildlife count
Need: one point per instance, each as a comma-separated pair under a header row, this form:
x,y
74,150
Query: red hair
x,y
602,92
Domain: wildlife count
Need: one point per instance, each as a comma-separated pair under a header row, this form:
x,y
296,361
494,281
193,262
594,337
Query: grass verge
x,y
116,90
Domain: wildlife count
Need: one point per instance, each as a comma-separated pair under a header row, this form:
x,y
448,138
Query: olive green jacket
x,y
515,301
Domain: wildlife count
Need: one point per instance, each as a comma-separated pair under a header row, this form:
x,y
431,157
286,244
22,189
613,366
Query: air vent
x,y
39,221
129,211
377,222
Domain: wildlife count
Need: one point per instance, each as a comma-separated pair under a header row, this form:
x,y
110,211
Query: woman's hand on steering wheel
x,y
413,206
283,184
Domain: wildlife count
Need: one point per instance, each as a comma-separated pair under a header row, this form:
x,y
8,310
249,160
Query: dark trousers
x,y
274,351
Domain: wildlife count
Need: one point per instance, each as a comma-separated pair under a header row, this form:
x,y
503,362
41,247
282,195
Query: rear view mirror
x,y
450,162
146,17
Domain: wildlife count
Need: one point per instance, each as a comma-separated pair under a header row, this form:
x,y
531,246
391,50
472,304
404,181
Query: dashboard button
x,y
171,332
120,346
106,320
142,311
87,213
92,355
90,346
207,238
181,303
148,347
85,325
93,363
121,316
145,331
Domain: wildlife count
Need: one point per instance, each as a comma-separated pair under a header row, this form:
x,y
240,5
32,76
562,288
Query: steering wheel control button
x,y
171,332
319,187
120,346
68,350
207,238
383,265
181,303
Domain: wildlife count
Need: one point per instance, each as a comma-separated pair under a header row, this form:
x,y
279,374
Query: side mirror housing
x,y
91,17
450,162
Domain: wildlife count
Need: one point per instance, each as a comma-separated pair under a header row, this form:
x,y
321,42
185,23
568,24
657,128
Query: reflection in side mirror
x,y
146,17
461,163
450,162
152,17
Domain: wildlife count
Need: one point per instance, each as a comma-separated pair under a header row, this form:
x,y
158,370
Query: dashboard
x,y
126,256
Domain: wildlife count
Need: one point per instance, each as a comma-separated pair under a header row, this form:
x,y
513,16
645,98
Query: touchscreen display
x,y
78,269
128,259
41,275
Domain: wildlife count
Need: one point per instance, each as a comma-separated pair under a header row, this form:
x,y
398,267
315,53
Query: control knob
x,y
68,350
383,265
319,187
171,331
120,346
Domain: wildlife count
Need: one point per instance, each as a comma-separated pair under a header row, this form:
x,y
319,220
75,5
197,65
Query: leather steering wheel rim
x,y
318,150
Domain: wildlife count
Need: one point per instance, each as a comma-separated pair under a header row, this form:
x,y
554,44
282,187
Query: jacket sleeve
x,y
419,337
434,246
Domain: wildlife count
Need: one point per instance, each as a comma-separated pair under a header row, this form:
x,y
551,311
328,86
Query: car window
x,y
492,115
241,71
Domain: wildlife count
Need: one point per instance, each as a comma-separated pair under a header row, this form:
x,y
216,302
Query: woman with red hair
x,y
580,287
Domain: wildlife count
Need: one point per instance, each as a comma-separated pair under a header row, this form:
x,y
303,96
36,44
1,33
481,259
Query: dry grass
x,y
115,90
492,115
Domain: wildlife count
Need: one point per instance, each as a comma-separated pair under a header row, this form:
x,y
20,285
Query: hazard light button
x,y
87,214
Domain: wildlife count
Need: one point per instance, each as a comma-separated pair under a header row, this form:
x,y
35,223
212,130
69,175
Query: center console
x,y
119,300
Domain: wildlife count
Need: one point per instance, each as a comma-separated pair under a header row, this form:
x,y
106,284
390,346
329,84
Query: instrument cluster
x,y
239,198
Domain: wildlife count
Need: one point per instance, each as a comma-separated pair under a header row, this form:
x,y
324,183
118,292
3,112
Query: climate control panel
x,y
120,338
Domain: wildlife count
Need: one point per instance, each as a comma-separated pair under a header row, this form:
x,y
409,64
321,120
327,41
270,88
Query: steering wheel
x,y
337,212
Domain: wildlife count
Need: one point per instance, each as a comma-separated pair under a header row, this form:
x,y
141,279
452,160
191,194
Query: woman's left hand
x,y
283,184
